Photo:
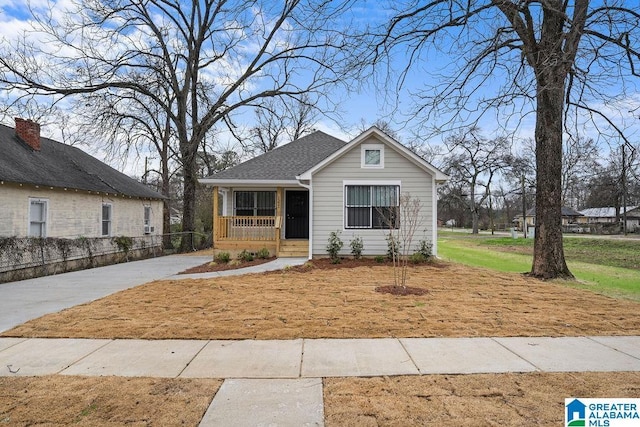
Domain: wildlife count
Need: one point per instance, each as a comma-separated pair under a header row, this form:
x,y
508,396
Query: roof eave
x,y
84,190
248,182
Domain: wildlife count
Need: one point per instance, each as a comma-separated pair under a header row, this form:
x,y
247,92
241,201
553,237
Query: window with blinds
x,y
255,203
372,206
37,218
106,219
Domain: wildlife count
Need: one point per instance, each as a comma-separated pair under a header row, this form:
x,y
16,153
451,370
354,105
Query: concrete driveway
x,y
28,299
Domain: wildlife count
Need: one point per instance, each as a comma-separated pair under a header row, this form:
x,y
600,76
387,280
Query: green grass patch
x,y
613,252
592,268
474,255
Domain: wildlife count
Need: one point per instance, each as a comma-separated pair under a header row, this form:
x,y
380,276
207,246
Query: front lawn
x,y
307,302
608,266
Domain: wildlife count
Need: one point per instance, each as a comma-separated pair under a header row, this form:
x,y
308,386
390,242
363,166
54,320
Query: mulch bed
x,y
210,267
401,290
327,264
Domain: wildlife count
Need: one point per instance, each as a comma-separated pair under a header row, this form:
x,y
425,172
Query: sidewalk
x,y
277,374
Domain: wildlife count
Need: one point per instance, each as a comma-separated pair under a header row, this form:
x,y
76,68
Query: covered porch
x,y
277,220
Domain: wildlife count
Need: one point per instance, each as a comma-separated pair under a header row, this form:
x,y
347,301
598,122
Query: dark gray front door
x,y
296,215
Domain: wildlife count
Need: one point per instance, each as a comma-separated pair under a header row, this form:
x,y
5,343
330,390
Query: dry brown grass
x,y
467,400
106,401
343,303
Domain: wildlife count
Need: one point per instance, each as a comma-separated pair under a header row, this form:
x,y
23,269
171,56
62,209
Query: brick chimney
x,y
29,132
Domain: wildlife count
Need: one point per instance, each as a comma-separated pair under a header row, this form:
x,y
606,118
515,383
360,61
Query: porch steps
x,y
293,249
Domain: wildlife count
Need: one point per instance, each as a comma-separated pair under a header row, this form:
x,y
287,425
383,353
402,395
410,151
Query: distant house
x,y
569,216
290,199
49,189
607,215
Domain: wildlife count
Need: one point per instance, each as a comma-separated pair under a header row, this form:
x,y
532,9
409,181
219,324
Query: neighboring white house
x,y
290,199
49,189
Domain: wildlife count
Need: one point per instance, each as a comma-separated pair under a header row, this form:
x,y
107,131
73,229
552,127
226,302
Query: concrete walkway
x,y
276,382
315,358
279,382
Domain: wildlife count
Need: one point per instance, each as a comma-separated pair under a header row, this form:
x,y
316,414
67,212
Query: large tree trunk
x,y
474,220
548,252
189,168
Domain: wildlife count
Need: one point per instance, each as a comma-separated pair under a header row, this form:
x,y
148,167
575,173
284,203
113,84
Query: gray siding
x,y
328,204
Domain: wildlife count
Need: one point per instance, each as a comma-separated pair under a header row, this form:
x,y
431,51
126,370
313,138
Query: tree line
x,y
170,74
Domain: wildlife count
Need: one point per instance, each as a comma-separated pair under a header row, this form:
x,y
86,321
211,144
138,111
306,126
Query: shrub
x,y
379,258
245,256
425,249
334,246
418,258
124,243
356,247
223,257
393,247
263,253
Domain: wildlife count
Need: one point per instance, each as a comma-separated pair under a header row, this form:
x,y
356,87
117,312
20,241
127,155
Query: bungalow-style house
x,y
290,199
49,189
569,216
607,215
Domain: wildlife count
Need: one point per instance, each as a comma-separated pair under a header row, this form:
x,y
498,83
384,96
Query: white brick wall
x,y
74,213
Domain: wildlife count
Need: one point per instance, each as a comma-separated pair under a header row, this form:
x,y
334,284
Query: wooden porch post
x,y
215,216
279,201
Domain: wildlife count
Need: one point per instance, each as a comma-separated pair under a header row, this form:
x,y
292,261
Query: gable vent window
x,y
372,156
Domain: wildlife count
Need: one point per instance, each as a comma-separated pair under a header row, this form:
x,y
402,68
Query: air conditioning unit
x,y
148,229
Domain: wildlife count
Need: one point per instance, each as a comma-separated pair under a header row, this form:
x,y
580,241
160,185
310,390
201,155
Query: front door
x,y
296,215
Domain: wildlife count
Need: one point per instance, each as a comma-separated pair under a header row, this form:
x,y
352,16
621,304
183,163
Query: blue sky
x,y
374,101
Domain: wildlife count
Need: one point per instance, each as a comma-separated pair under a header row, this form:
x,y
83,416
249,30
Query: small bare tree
x,y
402,225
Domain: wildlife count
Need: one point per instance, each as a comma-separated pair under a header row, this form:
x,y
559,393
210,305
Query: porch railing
x,y
266,228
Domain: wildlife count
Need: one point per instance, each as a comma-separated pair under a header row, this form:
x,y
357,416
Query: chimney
x,y
29,132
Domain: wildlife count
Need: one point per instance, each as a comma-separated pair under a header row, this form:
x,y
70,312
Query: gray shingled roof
x,y
285,162
566,211
605,212
62,166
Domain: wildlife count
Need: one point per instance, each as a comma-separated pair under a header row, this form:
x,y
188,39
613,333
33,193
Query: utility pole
x,y
624,191
524,207
492,225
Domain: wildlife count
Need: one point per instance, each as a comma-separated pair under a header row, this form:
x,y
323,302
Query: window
x,y
106,219
147,220
372,156
37,218
255,203
372,206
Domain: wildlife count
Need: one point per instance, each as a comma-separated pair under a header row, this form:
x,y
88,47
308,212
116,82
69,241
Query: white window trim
x,y
363,150
346,183
110,219
234,207
147,222
46,215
